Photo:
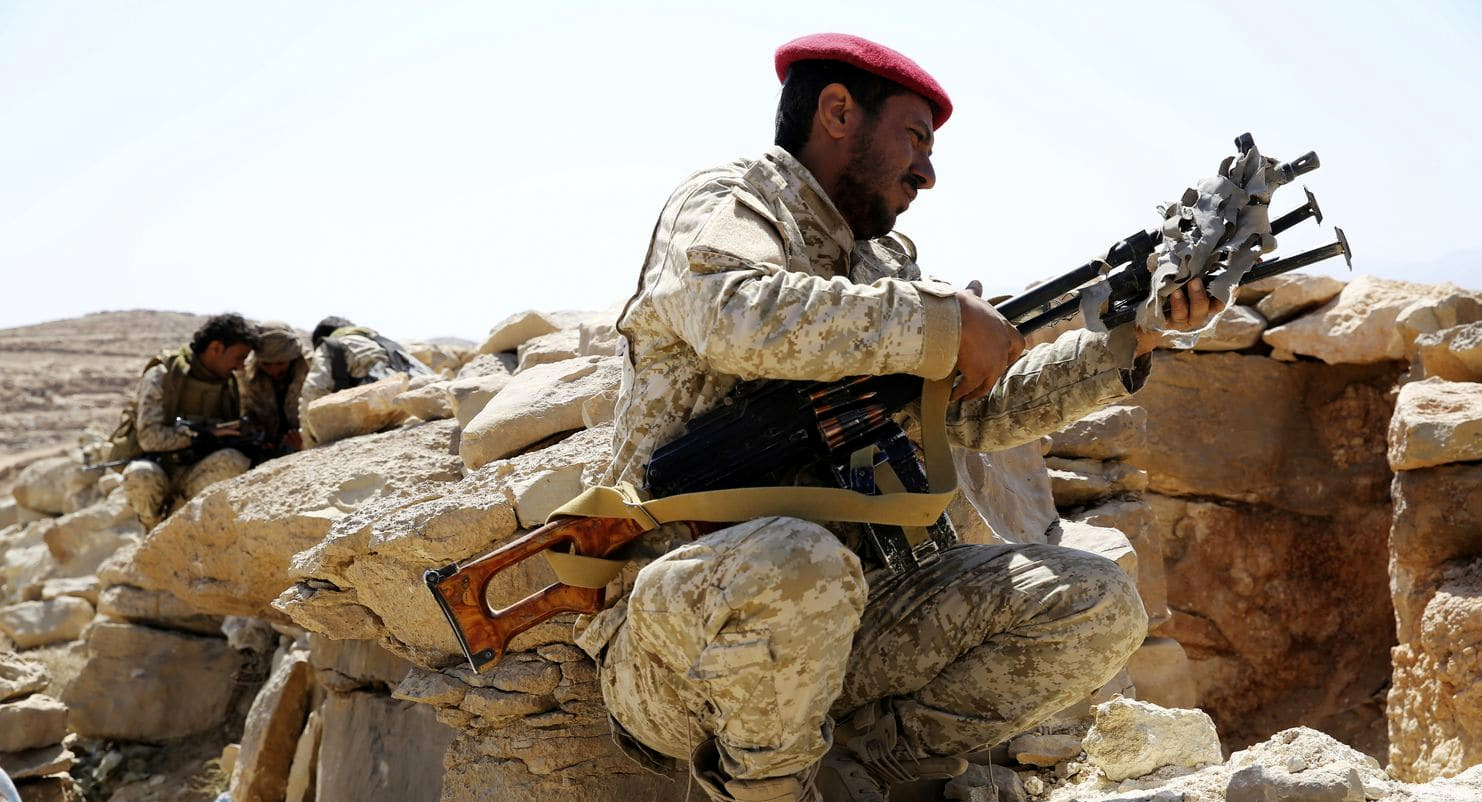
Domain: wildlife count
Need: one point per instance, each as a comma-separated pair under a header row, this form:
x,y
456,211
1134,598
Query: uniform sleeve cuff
x,y
943,331
1122,343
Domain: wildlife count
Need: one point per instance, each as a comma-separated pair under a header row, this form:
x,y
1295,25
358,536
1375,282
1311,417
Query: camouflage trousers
x,y
760,634
153,490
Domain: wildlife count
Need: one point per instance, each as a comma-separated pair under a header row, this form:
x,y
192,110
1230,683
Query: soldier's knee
x,y
1115,594
804,549
226,461
142,472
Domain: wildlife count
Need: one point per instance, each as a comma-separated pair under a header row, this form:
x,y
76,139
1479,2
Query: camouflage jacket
x,y
273,404
364,357
753,273
175,385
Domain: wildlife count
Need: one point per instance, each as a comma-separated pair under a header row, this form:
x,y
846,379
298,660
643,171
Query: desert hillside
x,y
1298,499
63,378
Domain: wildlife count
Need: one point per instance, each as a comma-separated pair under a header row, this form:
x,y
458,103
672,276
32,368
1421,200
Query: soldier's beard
x,y
861,195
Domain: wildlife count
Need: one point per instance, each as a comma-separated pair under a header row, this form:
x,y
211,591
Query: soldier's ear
x,y
836,111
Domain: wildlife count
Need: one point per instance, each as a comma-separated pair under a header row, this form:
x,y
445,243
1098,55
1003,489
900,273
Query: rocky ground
x,y
1319,511
63,379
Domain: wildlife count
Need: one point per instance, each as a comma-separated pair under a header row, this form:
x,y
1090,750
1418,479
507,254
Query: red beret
x,y
870,57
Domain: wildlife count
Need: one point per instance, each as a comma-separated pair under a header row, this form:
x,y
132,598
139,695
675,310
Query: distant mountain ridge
x,y
62,378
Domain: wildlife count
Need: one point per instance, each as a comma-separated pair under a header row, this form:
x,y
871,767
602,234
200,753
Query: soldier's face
x,y
889,162
221,359
275,369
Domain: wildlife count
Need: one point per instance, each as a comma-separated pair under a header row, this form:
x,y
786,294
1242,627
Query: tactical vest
x,y
186,396
399,360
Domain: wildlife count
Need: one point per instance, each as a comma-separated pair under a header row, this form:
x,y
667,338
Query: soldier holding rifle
x,y
777,655
186,399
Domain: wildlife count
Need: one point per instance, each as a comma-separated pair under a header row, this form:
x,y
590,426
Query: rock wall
x,y
1435,552
1285,510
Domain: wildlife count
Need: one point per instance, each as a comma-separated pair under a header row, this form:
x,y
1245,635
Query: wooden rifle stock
x,y
462,588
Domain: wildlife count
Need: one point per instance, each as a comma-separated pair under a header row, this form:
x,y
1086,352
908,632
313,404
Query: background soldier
x,y
786,654
346,355
196,383
272,380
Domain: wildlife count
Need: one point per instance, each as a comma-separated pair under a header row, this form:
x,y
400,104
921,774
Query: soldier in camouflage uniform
x,y
783,662
346,355
272,381
198,382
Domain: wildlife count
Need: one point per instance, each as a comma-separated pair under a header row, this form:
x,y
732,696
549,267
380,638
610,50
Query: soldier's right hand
x,y
989,344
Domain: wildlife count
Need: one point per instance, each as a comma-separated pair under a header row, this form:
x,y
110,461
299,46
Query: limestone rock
x,y
986,783
1010,490
1359,326
227,552
371,741
1294,293
558,346
431,688
155,608
38,762
510,333
270,736
1285,617
1429,316
1436,422
444,358
1259,784
143,684
359,410
1076,483
80,541
1437,523
1108,433
249,634
543,493
1131,739
1302,437
32,722
83,587
40,623
599,335
1239,327
27,564
1044,750
20,676
538,403
1160,672
469,395
1436,702
428,402
305,762
500,364
359,663
1453,354
56,485
379,554
1107,542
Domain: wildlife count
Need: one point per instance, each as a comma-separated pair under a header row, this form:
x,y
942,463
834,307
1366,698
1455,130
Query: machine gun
x,y
769,430
249,439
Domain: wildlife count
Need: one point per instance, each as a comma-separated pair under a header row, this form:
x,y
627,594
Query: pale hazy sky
x,y
429,168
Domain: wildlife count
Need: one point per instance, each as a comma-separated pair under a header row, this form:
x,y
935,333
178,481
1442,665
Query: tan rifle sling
x,y
743,504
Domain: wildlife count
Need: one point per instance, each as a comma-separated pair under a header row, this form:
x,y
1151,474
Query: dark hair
x,y
228,329
327,326
806,80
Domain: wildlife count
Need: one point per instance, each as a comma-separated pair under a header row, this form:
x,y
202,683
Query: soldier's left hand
x,y
1189,308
